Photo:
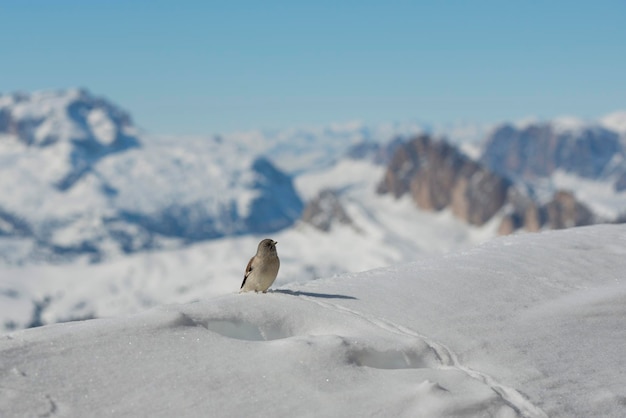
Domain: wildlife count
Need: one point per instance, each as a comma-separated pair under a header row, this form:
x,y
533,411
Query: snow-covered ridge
x,y
46,117
615,121
454,335
574,126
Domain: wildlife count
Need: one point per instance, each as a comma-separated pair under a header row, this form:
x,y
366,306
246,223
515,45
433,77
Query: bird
x,y
262,268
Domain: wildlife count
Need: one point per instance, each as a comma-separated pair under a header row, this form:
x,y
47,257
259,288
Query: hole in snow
x,y
241,330
390,359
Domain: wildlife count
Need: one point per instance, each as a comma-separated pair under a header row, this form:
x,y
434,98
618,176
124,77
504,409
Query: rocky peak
x,y
81,128
563,210
538,150
45,118
437,175
325,210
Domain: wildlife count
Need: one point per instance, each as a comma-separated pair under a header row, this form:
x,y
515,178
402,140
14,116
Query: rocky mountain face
x,y
76,180
325,210
561,211
539,150
438,176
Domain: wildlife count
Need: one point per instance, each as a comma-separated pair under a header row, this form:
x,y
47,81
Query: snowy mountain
x,y
523,326
91,124
76,181
538,150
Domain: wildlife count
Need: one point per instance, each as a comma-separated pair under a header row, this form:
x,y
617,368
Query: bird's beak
x,y
275,242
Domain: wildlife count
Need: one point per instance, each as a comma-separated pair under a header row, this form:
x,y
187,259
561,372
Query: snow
x,y
600,196
615,121
182,173
528,325
568,125
102,126
46,111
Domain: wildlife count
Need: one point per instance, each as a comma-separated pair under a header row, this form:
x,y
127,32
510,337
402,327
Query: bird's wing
x,y
247,273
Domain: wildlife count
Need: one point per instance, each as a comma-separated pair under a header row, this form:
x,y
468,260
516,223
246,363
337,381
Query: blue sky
x,y
203,67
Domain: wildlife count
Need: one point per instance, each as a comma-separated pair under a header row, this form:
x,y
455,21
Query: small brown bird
x,y
262,269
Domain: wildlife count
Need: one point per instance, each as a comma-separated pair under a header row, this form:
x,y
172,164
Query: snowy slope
x,y
528,325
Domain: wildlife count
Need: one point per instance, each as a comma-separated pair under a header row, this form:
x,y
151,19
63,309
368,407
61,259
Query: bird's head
x,y
267,246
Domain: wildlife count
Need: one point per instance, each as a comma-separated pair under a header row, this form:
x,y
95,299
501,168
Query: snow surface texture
x,y
528,325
